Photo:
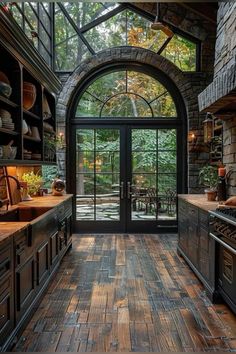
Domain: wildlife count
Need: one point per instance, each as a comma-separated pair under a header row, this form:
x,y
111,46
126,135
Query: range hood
x,y
219,97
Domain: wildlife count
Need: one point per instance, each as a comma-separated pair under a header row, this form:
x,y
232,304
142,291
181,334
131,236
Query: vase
x,y
29,95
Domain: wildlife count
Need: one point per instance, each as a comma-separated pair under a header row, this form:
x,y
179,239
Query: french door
x,y
126,178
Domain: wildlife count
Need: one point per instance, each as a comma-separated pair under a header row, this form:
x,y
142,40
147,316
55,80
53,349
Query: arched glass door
x,y
126,133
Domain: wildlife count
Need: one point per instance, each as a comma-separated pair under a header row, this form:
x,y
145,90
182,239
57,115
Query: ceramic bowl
x,y
5,89
29,95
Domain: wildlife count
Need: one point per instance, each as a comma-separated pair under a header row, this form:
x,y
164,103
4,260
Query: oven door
x,y
226,271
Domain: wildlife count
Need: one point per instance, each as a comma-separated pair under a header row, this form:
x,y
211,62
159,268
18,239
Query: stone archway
x,y
186,83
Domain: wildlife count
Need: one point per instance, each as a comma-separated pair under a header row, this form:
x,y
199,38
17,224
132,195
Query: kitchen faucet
x,y
6,201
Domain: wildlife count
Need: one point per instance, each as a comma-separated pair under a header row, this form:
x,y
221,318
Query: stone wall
x,y
225,62
189,84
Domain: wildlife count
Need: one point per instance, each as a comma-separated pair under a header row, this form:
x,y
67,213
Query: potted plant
x,y
208,176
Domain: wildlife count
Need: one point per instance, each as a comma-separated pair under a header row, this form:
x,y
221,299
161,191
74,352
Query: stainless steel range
x,y
223,231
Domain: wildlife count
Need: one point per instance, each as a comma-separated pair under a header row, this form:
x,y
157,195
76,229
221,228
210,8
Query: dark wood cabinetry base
x,y
26,268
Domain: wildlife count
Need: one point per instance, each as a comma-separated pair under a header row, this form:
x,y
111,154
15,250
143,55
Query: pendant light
x,y
208,128
157,25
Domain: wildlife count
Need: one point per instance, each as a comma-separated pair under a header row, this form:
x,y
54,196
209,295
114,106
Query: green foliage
x,y
34,182
208,176
48,174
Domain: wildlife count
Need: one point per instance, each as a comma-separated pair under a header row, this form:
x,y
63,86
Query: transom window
x,y
126,93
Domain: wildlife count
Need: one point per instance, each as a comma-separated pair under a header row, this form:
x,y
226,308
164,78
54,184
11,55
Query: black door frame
x,y
126,224
180,123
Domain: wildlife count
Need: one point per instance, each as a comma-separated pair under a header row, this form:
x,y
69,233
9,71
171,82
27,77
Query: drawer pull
x,y
2,316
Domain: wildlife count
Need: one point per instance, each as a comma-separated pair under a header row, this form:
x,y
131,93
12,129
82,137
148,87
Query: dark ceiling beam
x,y
205,10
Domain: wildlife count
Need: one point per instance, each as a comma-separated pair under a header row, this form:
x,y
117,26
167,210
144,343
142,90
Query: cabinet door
x,y
42,263
62,233
25,286
193,242
53,248
68,229
6,309
183,232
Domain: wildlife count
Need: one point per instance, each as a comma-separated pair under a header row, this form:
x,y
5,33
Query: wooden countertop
x,y
199,200
9,228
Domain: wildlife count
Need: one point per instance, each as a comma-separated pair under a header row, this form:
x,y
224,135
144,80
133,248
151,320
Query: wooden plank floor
x,y
127,293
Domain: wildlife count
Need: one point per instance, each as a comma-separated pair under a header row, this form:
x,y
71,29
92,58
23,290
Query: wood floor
x,y
127,293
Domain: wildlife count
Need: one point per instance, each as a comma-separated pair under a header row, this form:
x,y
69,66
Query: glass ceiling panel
x,y
182,53
84,12
111,33
69,49
140,34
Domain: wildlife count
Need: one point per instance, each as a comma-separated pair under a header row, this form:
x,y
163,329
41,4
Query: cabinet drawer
x,y
21,249
61,212
6,309
204,239
5,261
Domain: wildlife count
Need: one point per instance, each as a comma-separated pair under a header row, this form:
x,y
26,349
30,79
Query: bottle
x,y
221,185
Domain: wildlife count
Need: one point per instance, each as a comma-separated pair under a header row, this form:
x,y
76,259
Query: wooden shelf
x,y
7,131
31,115
25,162
31,138
8,102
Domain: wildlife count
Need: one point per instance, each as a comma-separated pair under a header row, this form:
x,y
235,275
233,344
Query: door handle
x,y
122,190
129,190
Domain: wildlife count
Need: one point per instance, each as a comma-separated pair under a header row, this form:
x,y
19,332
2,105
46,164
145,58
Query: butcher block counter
x,y
47,202
199,200
34,237
194,243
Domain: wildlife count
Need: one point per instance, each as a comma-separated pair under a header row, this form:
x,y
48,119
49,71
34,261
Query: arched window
x,y
126,94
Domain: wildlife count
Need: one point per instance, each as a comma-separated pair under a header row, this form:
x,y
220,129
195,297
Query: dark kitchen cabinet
x,y
6,291
28,261
195,245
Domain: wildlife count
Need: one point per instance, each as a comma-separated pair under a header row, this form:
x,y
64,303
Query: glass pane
x,y
31,17
167,197
88,106
144,139
107,197
126,105
85,196
167,161
46,6
108,162
146,86
44,18
182,53
85,139
107,140
17,15
44,54
84,12
85,161
69,49
164,106
108,85
144,161
111,33
166,139
144,181
140,34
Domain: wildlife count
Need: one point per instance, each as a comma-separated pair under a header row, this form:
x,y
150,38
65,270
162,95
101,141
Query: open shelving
x,y
35,141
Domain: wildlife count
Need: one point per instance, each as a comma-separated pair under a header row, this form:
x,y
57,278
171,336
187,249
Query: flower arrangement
x,y
34,182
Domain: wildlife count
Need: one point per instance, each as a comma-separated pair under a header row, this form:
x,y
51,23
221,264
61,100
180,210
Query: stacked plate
x,y
36,156
7,122
27,154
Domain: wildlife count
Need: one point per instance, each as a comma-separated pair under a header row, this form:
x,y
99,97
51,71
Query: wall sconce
x,y
191,137
208,127
61,140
